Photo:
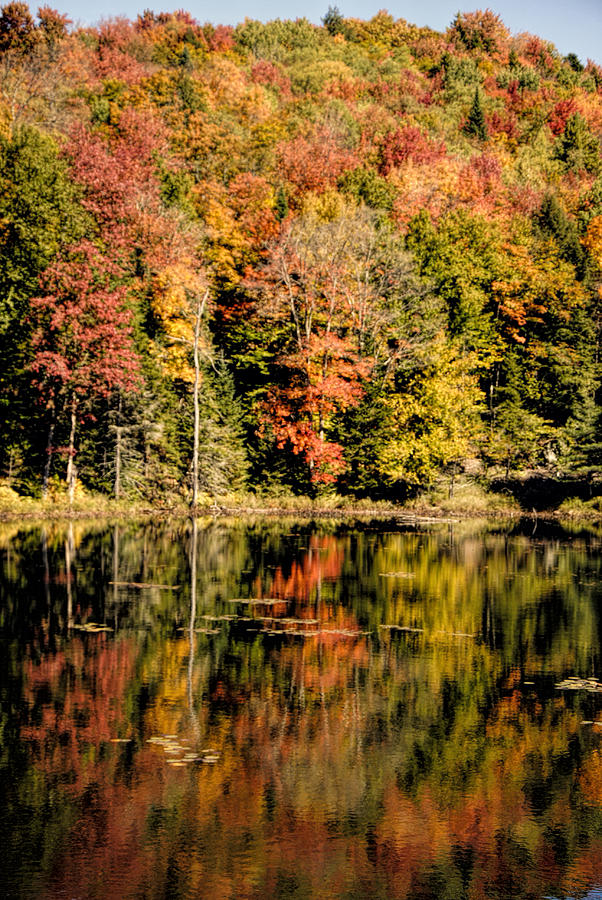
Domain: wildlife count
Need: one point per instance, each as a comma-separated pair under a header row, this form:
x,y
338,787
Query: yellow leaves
x,y
5,120
434,421
325,207
175,290
228,243
230,90
593,239
239,220
269,132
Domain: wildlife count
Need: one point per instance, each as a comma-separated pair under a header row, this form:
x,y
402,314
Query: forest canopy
x,y
355,254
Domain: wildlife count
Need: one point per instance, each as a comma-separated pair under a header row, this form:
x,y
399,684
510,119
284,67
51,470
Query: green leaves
x,y
578,148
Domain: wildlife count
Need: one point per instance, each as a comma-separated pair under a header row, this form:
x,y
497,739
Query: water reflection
x,y
274,709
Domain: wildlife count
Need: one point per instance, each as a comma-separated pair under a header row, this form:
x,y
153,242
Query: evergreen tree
x,y
223,461
553,222
578,148
475,123
333,21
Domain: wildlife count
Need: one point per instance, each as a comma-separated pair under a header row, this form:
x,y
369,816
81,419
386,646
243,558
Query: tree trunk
x,y
46,577
452,481
118,431
71,470
48,462
191,632
200,307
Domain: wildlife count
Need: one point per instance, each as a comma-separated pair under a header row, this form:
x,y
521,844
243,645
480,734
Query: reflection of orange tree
x,y
301,759
83,689
322,561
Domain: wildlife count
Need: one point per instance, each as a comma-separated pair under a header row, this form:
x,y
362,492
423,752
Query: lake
x,y
281,709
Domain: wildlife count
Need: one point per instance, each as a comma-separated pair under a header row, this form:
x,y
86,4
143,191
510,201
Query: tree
x,y
578,148
333,21
39,214
480,30
179,302
475,123
82,338
311,282
431,420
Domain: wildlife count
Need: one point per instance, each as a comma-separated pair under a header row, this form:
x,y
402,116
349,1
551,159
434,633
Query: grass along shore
x,y
470,499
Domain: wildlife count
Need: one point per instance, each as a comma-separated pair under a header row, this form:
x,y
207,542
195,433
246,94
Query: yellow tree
x,y
434,421
179,302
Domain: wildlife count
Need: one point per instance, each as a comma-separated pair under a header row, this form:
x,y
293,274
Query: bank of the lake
x,y
536,497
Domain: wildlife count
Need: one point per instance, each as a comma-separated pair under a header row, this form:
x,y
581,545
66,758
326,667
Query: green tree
x,y
39,213
461,258
578,148
333,21
553,222
475,123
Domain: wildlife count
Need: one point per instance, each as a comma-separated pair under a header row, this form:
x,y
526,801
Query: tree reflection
x,y
353,758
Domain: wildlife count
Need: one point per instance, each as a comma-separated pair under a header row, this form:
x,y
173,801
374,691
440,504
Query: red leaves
x,y
315,164
560,115
82,328
408,144
220,38
498,123
82,336
265,72
118,176
114,57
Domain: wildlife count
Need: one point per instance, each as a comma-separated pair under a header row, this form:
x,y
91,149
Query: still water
x,y
274,709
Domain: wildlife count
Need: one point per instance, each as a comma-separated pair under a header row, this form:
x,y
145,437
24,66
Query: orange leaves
x,y
314,164
311,280
537,290
593,239
319,381
514,307
480,30
271,75
240,220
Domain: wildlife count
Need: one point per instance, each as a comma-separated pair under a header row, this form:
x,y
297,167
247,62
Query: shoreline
x,y
36,511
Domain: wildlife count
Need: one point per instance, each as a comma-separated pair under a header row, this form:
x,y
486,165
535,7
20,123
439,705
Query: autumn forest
x,y
347,257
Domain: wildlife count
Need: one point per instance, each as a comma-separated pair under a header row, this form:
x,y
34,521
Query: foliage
x,y
353,198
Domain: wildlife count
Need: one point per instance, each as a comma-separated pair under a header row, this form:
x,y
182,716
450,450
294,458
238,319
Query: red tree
x,y
82,338
82,323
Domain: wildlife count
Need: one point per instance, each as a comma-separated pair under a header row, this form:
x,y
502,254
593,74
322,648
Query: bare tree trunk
x,y
118,430
452,482
200,307
46,577
118,433
71,470
48,462
146,456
